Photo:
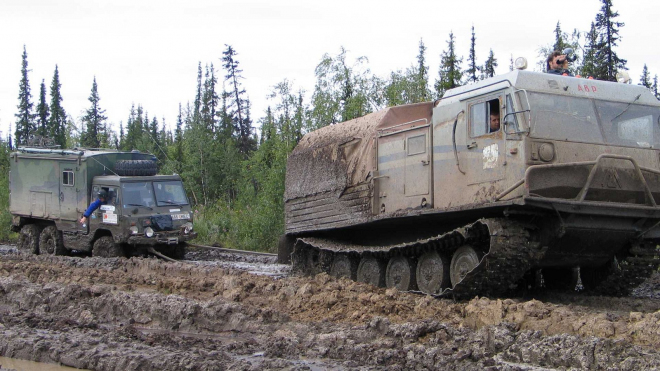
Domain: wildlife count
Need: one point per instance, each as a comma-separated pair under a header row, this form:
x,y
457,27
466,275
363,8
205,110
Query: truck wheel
x,y
28,239
136,168
432,273
106,247
465,259
50,242
344,266
400,273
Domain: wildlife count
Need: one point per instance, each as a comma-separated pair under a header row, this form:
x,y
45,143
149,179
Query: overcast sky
x,y
146,52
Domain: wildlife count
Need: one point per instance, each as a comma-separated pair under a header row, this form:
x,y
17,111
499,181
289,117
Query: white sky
x,y
146,51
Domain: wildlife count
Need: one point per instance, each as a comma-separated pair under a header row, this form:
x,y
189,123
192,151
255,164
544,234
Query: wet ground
x,y
227,311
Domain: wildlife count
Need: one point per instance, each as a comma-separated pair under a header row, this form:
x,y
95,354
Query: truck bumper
x,y
161,239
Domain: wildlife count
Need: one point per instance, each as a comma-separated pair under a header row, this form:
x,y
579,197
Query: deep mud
x,y
247,313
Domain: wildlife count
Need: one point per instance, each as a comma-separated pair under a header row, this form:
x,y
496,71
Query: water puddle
x,y
22,365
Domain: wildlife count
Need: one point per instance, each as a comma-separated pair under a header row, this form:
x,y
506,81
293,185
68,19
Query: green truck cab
x,y
50,189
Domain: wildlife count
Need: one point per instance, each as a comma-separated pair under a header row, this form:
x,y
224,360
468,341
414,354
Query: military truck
x,y
430,197
51,188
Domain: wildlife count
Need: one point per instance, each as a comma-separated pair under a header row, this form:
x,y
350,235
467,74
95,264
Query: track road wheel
x,y
465,259
343,266
28,239
400,273
106,247
432,273
50,242
372,271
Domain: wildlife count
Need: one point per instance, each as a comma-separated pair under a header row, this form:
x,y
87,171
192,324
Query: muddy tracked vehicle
x,y
51,188
432,197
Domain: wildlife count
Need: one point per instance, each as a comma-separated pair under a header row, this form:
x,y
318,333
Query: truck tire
x,y
136,168
105,247
50,242
28,239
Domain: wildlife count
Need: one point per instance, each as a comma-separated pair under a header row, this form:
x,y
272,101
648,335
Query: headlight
x,y
187,228
134,230
148,232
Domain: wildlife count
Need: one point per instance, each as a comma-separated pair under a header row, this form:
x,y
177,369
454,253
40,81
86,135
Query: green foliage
x,y
342,91
57,122
607,62
473,69
450,74
5,216
95,134
490,65
410,86
25,118
43,112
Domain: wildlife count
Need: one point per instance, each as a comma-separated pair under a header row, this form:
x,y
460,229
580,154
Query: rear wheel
x,y
400,273
50,242
28,239
465,259
343,266
372,271
432,273
106,247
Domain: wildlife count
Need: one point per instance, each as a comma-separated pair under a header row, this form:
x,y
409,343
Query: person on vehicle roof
x,y
557,64
100,200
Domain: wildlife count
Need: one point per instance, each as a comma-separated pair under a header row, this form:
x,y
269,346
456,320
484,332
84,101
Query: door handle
x,y
425,162
472,145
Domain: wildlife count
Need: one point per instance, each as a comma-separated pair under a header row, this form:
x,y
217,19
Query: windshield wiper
x,y
628,106
148,207
171,202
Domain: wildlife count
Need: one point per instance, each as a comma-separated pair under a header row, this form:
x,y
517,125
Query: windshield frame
x,y
176,193
591,120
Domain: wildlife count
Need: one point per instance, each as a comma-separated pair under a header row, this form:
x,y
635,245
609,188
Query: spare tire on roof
x,y
136,168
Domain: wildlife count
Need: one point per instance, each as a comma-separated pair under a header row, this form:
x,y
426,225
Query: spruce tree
x,y
43,113
94,121
588,68
490,65
25,118
237,103
450,74
560,43
645,79
57,121
607,62
654,86
178,142
422,93
473,69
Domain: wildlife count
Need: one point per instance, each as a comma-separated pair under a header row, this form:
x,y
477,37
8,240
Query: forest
x,y
233,162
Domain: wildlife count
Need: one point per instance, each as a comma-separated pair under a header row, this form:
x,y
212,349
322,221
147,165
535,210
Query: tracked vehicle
x,y
51,188
430,197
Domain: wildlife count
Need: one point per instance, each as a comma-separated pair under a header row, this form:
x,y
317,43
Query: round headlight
x,y
134,230
149,232
187,228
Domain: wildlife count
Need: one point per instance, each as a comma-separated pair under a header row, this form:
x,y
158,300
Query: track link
x,y
507,250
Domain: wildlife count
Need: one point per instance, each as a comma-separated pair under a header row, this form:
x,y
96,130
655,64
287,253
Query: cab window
x,y
485,117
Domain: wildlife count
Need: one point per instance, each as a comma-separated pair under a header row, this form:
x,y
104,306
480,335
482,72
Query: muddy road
x,y
226,311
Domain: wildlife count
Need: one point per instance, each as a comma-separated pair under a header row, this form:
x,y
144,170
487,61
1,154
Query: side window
x,y
416,145
67,178
511,120
485,117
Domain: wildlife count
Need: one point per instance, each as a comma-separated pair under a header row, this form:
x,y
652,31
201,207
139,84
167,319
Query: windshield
x,y
137,194
593,121
170,193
